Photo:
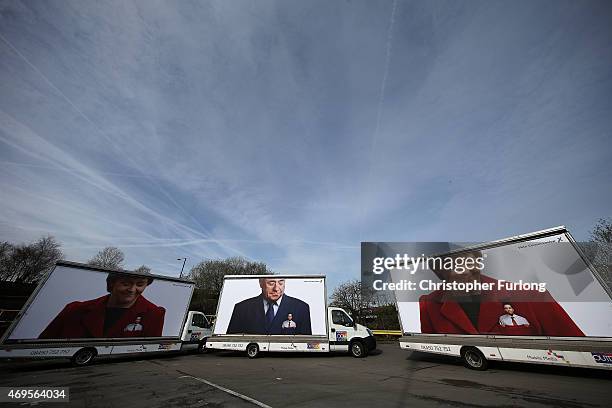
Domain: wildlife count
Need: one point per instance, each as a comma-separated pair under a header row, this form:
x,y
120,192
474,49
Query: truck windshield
x,y
198,320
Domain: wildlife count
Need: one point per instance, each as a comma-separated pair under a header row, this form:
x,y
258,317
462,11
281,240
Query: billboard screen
x,y
531,287
272,305
81,303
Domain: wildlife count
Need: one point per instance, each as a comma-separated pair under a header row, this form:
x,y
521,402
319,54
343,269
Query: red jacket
x,y
441,314
80,320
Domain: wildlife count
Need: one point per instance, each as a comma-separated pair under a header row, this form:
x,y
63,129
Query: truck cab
x,y
346,335
196,331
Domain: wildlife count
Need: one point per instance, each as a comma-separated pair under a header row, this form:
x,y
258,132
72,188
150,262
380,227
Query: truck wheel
x,y
83,357
202,347
474,359
357,349
252,350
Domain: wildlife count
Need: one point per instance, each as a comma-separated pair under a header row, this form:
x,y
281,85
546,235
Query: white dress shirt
x,y
276,306
506,320
289,324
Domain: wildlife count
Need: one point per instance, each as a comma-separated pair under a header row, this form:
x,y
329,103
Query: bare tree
x,y
353,298
109,257
601,235
6,260
27,263
208,276
143,269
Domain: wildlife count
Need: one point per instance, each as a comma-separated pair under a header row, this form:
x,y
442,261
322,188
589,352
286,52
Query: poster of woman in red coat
x,y
77,301
123,312
538,284
492,311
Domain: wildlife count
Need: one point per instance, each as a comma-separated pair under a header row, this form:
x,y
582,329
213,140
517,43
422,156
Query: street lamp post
x,y
184,260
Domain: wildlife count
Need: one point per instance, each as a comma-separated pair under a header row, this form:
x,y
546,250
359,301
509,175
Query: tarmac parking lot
x,y
389,377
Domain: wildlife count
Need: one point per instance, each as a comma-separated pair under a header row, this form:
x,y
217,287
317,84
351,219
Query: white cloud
x,y
216,129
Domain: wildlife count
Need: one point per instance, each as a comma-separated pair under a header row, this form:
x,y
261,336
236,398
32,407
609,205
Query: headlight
x,y
369,332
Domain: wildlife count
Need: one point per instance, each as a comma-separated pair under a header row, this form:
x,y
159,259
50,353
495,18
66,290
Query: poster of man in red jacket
x,y
123,312
480,312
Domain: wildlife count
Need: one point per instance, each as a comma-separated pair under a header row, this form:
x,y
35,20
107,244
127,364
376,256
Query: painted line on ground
x,y
227,390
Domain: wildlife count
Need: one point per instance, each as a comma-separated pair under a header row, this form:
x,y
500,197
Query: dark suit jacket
x,y
546,317
79,320
248,317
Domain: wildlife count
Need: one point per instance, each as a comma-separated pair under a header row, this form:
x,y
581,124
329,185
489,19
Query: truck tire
x,y
202,347
474,359
252,350
358,349
84,356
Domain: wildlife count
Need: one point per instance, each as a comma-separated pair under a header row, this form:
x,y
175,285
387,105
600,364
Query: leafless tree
x,y
353,298
109,257
143,269
601,235
208,276
27,263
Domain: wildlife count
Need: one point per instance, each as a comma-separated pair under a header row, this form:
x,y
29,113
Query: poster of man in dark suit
x,y
266,312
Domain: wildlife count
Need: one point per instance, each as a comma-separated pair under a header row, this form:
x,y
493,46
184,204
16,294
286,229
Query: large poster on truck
x,y
78,302
272,305
536,286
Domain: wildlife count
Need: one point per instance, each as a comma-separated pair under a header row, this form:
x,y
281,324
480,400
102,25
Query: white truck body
x,y
332,328
188,329
561,352
593,349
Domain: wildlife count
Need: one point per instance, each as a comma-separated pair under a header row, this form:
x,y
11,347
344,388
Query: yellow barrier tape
x,y
388,332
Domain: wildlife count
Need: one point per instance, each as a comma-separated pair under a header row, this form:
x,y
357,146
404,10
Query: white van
x,y
300,320
572,326
73,332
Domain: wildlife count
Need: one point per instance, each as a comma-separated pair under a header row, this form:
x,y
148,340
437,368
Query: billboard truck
x,y
80,312
284,313
532,298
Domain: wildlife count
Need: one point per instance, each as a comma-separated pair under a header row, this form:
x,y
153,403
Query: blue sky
x,y
289,131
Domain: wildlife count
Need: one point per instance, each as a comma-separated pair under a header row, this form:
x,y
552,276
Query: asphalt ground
x,y
390,377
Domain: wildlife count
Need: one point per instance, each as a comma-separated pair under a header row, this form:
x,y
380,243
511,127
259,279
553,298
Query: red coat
x,y
440,314
80,320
